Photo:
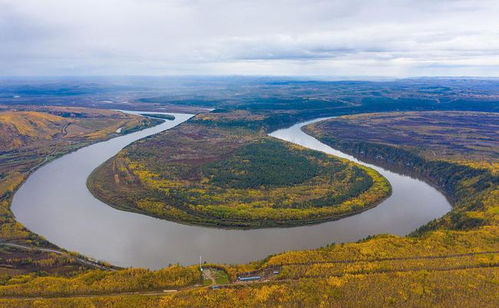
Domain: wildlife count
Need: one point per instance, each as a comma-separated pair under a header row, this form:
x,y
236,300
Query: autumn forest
x,y
215,165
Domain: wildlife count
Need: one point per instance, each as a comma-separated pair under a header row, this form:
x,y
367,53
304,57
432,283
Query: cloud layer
x,y
274,37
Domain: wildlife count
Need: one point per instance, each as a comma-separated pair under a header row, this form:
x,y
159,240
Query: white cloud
x,y
298,37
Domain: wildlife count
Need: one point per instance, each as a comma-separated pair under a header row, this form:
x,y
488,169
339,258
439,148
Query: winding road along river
x,y
55,203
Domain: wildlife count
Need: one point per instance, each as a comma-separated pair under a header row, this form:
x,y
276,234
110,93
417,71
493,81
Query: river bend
x,y
54,202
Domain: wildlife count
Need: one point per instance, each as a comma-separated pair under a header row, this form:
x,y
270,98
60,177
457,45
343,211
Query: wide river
x,y
55,203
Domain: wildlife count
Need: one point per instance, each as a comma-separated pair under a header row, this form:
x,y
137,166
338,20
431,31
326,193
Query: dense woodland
x,y
210,174
449,262
467,175
159,116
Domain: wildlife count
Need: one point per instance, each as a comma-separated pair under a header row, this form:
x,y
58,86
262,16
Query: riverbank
x,y
234,177
456,170
107,234
32,139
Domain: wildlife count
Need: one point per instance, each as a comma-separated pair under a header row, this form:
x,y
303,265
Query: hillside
x,y
19,129
23,129
450,262
30,138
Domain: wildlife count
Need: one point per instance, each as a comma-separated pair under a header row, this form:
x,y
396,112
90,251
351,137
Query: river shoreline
x,y
74,219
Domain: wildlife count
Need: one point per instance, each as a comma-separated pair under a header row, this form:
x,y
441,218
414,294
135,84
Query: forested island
x,y
210,173
169,117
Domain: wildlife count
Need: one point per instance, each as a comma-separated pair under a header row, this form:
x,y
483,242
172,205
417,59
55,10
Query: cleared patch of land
x,y
216,170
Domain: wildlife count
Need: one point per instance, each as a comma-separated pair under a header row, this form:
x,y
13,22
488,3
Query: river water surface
x,y
55,203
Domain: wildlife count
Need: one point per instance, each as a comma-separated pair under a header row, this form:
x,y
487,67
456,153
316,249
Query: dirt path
x,y
276,266
208,274
230,286
81,260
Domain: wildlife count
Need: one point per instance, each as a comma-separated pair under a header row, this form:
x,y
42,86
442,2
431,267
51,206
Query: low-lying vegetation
x,y
205,173
466,174
102,282
15,261
452,261
432,135
29,139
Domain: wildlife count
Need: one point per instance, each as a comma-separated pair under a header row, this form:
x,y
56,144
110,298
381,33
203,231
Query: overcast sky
x,y
250,37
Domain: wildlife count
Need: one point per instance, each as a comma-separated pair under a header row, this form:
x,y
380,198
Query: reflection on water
x,y
55,203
